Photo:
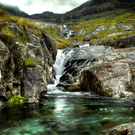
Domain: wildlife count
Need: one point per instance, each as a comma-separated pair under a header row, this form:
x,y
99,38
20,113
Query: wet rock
x,y
124,129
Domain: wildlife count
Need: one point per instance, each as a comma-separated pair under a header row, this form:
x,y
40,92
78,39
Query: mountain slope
x,y
84,11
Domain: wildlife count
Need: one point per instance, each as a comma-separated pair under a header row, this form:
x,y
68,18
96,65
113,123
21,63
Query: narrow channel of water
x,y
66,113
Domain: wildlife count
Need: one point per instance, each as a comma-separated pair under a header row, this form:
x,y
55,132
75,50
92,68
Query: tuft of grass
x,y
22,38
61,43
53,32
7,31
30,62
16,101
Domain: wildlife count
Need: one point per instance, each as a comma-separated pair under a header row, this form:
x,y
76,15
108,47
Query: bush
x,y
16,101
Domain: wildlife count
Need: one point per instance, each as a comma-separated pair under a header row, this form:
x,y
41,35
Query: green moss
x,y
120,44
31,62
16,101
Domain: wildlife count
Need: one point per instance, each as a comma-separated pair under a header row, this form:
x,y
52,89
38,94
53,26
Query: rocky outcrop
x,y
101,70
122,42
26,69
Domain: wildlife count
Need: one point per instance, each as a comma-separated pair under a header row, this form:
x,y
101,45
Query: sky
x,y
39,6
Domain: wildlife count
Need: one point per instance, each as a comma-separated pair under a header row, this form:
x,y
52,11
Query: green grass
x,y
7,31
61,43
30,62
119,16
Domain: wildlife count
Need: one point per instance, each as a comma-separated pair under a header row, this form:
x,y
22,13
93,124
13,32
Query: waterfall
x,y
61,59
85,45
68,32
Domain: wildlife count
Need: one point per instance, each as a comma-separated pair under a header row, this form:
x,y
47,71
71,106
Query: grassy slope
x,y
8,34
118,16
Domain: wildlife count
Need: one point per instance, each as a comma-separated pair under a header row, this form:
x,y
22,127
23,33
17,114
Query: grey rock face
x,y
34,83
101,70
31,79
4,54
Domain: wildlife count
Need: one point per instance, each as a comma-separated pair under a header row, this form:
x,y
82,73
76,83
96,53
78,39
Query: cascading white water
x,y
58,66
68,32
84,45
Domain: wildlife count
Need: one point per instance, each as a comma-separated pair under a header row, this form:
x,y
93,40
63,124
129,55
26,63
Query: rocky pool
x,y
65,113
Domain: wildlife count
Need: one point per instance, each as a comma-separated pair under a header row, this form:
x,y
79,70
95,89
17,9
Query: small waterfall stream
x,y
58,66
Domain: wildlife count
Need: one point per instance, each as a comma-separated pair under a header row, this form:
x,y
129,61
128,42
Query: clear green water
x,y
67,114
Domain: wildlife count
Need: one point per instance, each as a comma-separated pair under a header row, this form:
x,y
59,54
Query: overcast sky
x,y
39,6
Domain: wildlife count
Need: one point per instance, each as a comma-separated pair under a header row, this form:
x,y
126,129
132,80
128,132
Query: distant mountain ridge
x,y
84,11
14,10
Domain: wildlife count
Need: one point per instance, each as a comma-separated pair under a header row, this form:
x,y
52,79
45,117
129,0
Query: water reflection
x,y
64,114
59,105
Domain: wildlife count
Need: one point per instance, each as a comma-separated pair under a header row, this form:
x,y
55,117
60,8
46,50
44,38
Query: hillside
x,y
86,11
96,22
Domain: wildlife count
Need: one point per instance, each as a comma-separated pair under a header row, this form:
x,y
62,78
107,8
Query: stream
x,y
66,113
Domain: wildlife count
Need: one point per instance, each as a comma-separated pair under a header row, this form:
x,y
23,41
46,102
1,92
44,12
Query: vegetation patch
x,y
61,43
16,101
117,18
30,62
7,31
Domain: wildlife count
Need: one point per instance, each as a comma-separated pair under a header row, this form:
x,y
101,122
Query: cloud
x,y
39,6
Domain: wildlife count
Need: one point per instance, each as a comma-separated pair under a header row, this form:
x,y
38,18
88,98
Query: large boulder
x,y
108,79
